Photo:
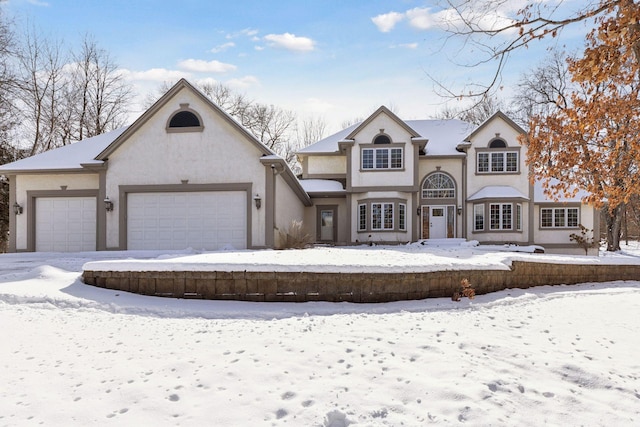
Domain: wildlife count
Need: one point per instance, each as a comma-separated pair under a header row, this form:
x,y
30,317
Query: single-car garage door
x,y
65,224
207,220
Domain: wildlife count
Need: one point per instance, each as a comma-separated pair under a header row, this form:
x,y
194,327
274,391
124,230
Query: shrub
x,y
585,239
466,290
294,237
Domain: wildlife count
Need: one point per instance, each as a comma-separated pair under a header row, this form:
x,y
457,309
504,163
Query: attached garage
x,y
208,220
65,224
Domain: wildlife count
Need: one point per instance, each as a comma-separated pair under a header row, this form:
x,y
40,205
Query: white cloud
x,y
200,66
406,46
317,105
486,15
222,47
420,18
155,75
386,22
243,82
248,32
290,42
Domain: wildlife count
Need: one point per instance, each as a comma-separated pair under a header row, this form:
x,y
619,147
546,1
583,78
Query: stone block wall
x,y
352,287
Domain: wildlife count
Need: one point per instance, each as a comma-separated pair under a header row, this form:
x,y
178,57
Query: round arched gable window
x,y
382,139
498,143
185,120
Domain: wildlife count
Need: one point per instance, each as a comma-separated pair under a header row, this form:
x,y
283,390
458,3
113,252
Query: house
x,y
434,179
186,174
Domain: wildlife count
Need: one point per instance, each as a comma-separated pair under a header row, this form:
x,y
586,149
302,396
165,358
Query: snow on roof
x,y
497,192
443,135
321,186
539,196
67,157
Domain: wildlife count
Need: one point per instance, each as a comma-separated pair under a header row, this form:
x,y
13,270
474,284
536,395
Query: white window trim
x,y
566,217
402,216
361,207
382,222
389,150
479,209
501,217
504,161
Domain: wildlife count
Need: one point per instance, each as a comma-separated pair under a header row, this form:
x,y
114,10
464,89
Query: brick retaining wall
x,y
353,287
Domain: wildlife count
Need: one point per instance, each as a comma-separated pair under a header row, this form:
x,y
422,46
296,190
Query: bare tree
x,y
100,94
497,39
41,85
476,113
7,121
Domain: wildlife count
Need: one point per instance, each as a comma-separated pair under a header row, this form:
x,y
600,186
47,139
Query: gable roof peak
x,y
164,100
497,114
382,110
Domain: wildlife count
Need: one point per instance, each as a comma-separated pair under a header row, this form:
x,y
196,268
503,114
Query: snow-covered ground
x,y
72,354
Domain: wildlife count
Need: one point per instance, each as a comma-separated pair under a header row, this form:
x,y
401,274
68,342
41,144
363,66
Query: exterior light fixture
x,y
257,200
17,209
418,210
459,210
108,205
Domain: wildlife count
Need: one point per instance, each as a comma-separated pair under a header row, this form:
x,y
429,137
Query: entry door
x,y
327,223
437,222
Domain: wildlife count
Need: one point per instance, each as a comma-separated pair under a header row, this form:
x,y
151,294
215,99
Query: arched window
x,y
185,120
382,139
438,186
498,143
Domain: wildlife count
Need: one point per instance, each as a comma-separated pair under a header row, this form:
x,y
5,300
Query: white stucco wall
x,y
497,127
376,178
325,165
46,182
288,208
217,155
555,236
382,236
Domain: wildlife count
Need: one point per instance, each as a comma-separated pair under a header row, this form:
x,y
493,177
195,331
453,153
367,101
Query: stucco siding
x,y
325,165
45,182
152,156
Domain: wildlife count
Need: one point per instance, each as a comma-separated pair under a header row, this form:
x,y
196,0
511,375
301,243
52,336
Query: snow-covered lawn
x,y
72,354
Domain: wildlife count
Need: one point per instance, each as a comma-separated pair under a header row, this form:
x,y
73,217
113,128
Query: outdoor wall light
x,y
257,200
459,210
418,210
17,209
108,204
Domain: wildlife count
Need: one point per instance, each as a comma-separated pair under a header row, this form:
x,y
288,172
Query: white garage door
x,y
65,224
200,220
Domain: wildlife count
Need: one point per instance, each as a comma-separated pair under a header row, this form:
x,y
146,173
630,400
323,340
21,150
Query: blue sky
x,y
334,59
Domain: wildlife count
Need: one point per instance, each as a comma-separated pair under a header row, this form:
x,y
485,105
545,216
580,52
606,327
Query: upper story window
x,y
382,158
438,186
185,120
498,158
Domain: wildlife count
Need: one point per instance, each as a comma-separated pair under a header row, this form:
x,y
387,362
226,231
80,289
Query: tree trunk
x,y
614,227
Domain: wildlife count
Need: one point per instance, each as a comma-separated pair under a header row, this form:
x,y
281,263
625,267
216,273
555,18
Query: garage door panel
x,y
201,220
65,224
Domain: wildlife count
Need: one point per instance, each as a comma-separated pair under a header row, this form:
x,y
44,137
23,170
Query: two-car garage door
x,y
207,220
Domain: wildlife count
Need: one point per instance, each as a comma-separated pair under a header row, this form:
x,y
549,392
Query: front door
x,y
438,222
327,223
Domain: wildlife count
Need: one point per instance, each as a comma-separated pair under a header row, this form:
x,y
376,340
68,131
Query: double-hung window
x,y
362,217
382,158
478,217
559,217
